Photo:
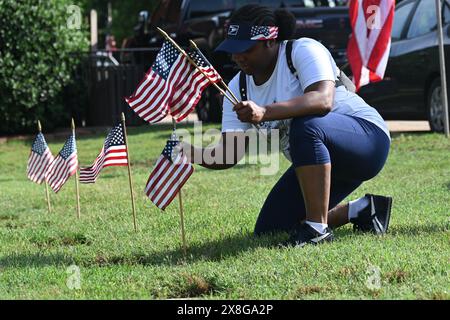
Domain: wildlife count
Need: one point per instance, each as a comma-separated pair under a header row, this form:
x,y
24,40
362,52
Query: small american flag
x,y
206,66
171,172
172,85
64,166
39,160
113,153
263,33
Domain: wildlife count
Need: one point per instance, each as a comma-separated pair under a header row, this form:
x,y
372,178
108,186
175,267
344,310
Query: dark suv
x,y
204,22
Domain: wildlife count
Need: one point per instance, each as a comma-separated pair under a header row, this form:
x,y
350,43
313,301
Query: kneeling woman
x,y
333,138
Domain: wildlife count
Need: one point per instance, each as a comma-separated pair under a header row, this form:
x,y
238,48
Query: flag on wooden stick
x,y
172,85
39,160
171,172
113,153
64,166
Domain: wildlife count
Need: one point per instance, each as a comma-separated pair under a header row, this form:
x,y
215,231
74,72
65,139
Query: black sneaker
x,y
374,218
305,234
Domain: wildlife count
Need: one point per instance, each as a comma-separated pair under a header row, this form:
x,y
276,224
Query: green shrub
x,y
39,52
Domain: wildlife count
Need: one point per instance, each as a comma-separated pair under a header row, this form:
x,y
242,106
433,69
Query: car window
x,y
400,17
198,8
424,19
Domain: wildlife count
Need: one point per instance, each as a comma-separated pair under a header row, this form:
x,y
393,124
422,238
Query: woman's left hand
x,y
248,111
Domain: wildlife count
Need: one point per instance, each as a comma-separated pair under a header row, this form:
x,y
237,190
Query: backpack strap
x,y
289,58
338,82
243,86
243,80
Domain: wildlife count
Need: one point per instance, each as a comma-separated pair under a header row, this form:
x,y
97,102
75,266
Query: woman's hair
x,y
264,16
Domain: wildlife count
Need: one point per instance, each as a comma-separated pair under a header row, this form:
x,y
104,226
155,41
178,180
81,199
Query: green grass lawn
x,y
224,260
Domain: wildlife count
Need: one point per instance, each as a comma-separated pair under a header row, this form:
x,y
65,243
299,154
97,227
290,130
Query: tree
x,y
39,42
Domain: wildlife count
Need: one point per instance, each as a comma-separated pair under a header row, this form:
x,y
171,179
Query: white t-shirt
x,y
313,63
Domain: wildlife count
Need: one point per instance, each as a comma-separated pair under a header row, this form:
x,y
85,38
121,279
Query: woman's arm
x,y
226,154
317,100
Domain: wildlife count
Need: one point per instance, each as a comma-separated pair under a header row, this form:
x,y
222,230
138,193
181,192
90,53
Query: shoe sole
x,y
388,216
388,210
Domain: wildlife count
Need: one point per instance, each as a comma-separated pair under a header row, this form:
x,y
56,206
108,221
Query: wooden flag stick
x,y
194,45
76,177
45,182
129,172
182,224
48,197
183,235
165,35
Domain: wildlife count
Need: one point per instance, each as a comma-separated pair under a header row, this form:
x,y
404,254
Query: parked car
x,y
205,23
411,89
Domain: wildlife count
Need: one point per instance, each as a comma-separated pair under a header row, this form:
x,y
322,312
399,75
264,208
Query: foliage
x,y
38,46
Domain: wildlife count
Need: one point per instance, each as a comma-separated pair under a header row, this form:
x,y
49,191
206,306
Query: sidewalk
x,y
408,126
394,126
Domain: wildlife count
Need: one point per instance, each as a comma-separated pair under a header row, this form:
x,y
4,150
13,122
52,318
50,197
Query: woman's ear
x,y
270,43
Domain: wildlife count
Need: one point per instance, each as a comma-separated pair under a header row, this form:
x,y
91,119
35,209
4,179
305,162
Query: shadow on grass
x,y
216,250
410,133
27,260
416,230
398,230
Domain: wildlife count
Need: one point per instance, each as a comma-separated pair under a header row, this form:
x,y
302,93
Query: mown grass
x,y
224,260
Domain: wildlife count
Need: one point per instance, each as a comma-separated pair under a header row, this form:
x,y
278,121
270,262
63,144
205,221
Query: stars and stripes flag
x,y
202,62
113,153
263,32
39,160
171,172
370,42
172,85
64,166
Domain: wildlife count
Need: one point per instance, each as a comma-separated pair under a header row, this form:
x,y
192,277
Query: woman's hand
x,y
248,111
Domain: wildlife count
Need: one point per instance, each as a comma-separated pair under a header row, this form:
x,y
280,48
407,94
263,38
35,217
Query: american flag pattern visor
x,y
242,36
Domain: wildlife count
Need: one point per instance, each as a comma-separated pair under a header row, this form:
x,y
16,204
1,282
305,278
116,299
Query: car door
x,y
419,56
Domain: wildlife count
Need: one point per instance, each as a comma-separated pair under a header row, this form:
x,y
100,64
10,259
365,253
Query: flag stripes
x,y
64,166
39,159
113,153
171,86
168,177
369,45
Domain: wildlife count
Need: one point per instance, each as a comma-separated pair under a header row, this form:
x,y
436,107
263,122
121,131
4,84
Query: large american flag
x,y
64,166
370,43
113,153
39,160
172,85
171,172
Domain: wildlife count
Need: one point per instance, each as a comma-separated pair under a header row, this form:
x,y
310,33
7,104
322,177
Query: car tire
x,y
435,107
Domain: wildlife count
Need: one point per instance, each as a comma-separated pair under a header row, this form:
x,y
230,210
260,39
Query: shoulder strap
x,y
289,58
243,80
243,86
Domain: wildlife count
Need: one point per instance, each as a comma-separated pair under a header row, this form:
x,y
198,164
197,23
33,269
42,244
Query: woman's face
x,y
255,60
